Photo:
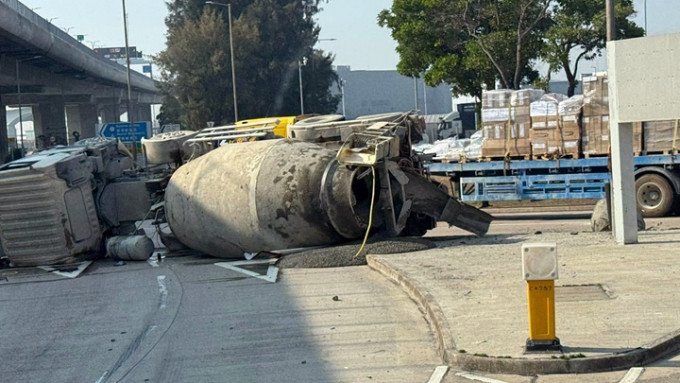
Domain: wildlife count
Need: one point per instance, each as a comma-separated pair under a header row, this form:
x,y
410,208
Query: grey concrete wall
x,y
370,92
647,77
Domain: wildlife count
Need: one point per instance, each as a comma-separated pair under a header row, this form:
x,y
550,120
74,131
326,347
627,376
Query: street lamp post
x,y
302,99
21,120
644,5
342,93
129,88
231,52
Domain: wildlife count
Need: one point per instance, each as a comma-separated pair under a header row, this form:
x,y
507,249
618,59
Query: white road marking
x,y
484,379
163,289
632,375
153,260
272,271
438,374
68,274
101,378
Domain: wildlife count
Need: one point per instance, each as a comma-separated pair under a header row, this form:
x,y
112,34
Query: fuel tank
x,y
260,195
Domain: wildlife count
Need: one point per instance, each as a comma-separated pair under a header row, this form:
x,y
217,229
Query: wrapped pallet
x,y
496,99
595,140
544,112
596,95
524,97
595,129
555,134
570,110
637,138
661,136
506,121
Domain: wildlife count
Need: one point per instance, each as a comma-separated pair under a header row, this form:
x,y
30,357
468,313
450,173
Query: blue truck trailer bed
x,y
533,180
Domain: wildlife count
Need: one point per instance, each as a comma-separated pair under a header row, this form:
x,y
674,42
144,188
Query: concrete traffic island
x,y
615,305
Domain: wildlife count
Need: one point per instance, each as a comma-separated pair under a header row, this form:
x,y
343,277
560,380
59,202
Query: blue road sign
x,y
146,69
123,131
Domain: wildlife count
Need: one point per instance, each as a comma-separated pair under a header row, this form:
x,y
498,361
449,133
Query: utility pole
x,y
342,92
231,52
302,98
415,94
611,21
21,118
233,70
644,5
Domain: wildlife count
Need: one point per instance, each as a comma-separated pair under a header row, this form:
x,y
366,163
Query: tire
x,y
417,225
654,195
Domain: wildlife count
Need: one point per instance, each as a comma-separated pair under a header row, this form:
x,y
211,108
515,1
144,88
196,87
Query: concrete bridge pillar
x,y
82,118
143,112
109,112
49,120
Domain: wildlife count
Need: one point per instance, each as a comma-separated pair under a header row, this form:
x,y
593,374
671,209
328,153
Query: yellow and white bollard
x,y
539,269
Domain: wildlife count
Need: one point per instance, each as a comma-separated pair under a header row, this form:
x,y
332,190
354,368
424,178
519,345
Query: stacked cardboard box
x,y
506,122
595,133
595,139
570,111
555,127
661,136
637,138
568,140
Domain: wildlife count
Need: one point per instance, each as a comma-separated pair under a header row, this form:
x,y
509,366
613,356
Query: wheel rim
x,y
650,196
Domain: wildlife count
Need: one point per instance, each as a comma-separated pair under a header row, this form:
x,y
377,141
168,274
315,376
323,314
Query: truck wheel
x,y
654,195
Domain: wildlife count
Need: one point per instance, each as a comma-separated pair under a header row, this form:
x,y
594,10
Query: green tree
x,y
468,43
579,31
195,66
171,112
318,78
270,38
425,48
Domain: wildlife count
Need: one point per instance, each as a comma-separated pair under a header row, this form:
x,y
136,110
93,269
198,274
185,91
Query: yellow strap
x,y
675,134
560,131
508,128
370,214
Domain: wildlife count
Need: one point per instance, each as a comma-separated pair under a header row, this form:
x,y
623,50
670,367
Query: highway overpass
x,y
67,86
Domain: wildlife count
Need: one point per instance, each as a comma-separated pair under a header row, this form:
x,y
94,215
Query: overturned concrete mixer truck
x,y
342,180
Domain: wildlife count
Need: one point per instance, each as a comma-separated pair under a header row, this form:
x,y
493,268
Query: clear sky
x,y
359,41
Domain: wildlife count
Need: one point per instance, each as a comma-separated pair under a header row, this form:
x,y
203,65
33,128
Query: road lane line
x,y
153,260
101,378
438,374
484,379
632,375
163,290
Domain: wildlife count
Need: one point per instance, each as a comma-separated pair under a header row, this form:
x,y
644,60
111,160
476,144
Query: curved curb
x,y
434,314
517,366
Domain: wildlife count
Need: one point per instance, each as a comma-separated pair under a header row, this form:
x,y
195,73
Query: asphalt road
x,y
188,320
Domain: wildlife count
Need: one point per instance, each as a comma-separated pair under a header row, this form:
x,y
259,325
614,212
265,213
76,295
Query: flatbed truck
x,y
657,180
